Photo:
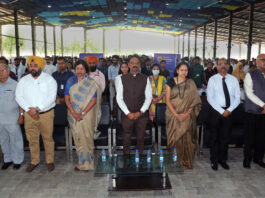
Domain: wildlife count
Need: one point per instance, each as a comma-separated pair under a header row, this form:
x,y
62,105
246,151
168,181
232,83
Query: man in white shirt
x,y
18,68
36,95
254,85
223,95
49,68
134,96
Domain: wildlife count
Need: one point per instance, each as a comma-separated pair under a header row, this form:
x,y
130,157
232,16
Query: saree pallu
x,y
81,94
156,92
181,135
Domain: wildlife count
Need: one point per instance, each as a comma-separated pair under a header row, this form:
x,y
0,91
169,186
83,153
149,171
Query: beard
x,y
93,68
35,73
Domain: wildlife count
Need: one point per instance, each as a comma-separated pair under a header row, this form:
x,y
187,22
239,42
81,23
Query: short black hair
x,y
197,58
84,63
61,58
147,59
178,66
134,56
17,59
163,61
4,59
115,56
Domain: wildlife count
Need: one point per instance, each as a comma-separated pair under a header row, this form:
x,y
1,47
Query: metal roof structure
x,y
241,21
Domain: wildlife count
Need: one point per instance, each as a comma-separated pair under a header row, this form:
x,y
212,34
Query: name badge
x,y
62,86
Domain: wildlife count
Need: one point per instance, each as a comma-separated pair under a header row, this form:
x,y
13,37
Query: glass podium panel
x,y
126,164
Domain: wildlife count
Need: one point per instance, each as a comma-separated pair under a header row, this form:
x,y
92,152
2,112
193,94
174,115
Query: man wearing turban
x,y
36,95
94,73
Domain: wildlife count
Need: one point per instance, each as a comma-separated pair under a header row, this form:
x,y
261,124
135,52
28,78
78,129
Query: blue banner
x,y
171,61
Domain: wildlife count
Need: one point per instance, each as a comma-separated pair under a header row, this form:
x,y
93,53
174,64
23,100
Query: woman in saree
x,y
158,84
183,106
82,97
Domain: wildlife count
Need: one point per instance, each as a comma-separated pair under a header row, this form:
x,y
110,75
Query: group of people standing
x,y
138,88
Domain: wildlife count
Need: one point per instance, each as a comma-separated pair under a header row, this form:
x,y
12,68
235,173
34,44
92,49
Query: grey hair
x,y
5,65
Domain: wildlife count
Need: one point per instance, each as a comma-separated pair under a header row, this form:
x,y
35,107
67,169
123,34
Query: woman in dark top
x,y
183,106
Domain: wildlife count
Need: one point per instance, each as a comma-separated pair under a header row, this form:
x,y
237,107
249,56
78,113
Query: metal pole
x,y
183,43
54,41
85,40
1,48
215,38
179,44
250,28
16,33
62,41
259,48
189,45
195,43
174,50
120,42
103,41
45,39
204,41
33,36
229,36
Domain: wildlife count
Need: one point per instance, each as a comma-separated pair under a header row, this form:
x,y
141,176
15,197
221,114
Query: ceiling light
x,y
161,12
199,8
125,14
49,6
188,15
125,8
167,4
246,21
93,17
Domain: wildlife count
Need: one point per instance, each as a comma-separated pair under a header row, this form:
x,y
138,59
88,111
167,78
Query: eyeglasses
x,y
3,70
263,59
222,64
134,63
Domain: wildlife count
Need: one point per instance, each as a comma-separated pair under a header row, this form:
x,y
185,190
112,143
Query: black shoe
x,y
246,164
224,165
6,165
259,162
16,166
214,166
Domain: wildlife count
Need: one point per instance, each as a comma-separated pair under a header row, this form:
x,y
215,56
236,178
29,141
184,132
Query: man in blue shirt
x,y
61,78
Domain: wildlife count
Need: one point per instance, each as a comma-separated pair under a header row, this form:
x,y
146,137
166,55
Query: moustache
x,y
134,67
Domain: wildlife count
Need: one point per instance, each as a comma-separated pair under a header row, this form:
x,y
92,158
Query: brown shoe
x,y
31,167
50,167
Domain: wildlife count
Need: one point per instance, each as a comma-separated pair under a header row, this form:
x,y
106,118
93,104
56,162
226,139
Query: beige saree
x,y
81,94
181,135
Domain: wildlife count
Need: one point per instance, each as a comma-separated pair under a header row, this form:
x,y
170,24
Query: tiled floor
x,y
201,182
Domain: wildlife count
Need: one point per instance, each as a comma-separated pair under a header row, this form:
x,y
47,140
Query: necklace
x,y
181,97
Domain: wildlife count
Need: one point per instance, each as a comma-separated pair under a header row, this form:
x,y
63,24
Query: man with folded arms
x,y
36,95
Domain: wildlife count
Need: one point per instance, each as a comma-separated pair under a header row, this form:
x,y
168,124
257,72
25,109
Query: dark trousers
x,y
254,137
220,129
128,126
